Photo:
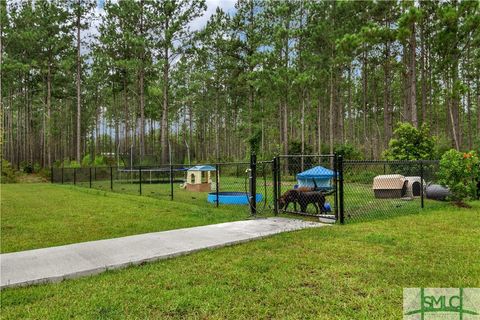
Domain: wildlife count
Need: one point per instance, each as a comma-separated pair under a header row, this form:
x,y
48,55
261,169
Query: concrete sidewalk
x,y
80,259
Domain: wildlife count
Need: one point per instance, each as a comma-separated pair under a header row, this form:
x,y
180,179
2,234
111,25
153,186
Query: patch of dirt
x,y
31,178
461,204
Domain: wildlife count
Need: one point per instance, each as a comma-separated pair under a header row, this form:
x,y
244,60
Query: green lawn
x,y
43,215
356,271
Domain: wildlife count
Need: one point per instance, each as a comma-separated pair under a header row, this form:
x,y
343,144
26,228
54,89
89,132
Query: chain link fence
x,y
381,189
225,185
320,186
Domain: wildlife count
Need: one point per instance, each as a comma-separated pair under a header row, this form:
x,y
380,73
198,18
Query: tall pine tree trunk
x,y
49,116
387,112
164,122
141,84
413,77
79,70
423,73
127,148
331,112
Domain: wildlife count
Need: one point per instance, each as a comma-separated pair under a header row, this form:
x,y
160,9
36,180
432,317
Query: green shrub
x,y
348,151
87,161
99,161
459,171
410,143
74,164
37,167
8,174
70,164
45,173
27,168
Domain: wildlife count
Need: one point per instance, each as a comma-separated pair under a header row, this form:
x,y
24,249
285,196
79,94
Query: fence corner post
x,y
140,179
421,185
275,185
340,191
171,181
51,174
90,176
253,184
74,176
217,187
111,178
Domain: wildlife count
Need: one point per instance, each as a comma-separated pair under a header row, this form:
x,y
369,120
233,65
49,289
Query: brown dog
x,y
317,198
304,198
291,196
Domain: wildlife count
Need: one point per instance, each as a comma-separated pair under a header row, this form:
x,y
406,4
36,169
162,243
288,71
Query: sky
x,y
227,6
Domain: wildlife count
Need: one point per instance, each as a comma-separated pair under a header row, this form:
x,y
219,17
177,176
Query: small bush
x,y
74,164
99,161
410,143
459,171
27,168
348,151
45,173
37,167
70,164
8,174
87,161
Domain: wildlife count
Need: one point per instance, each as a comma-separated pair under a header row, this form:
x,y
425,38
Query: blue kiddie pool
x,y
232,197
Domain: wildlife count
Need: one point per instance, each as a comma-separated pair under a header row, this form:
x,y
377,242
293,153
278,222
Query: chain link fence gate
x,y
307,185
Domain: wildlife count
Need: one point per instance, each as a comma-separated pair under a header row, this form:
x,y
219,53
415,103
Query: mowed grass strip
x,y
356,271
43,215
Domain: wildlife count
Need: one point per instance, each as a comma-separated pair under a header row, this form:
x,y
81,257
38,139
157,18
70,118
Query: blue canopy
x,y
316,172
317,177
202,168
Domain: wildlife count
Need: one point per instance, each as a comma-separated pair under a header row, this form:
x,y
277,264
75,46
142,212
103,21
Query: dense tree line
x,y
269,75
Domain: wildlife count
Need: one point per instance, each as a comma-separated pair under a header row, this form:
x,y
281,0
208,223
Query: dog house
x,y
390,186
414,186
199,178
316,177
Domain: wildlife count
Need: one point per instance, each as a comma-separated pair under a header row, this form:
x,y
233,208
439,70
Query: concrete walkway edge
x,y
87,258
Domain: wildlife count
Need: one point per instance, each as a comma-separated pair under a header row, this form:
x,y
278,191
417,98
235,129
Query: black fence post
x,y
340,189
171,182
275,186
90,176
335,195
111,178
74,176
140,179
51,174
62,175
421,184
253,184
217,187
279,178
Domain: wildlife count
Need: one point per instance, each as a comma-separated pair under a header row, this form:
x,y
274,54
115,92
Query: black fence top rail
x,y
391,161
306,155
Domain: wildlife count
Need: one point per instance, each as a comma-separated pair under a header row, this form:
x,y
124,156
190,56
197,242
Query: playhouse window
x,y
192,178
204,177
